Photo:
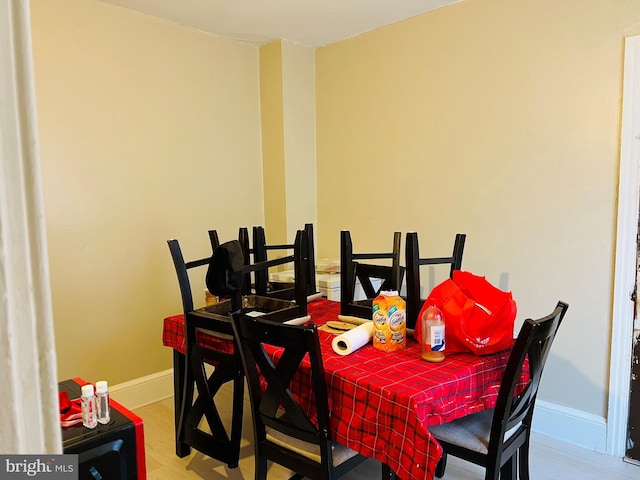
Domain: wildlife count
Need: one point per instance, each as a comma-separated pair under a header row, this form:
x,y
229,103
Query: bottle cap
x,y
101,386
433,312
87,390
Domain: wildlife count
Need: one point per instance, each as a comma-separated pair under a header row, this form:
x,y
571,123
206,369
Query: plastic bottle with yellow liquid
x,y
389,322
433,343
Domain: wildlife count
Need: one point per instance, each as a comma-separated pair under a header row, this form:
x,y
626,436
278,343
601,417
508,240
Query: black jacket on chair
x,y
225,275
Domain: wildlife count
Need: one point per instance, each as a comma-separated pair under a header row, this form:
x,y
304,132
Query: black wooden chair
x,y
283,432
283,290
386,277
200,424
498,439
187,431
413,264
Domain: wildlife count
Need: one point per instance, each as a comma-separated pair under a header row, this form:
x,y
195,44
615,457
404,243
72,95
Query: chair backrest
x,y
300,260
274,407
182,268
413,264
261,251
531,349
387,277
243,238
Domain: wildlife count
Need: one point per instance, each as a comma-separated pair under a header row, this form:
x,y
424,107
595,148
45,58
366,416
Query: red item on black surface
x,y
70,410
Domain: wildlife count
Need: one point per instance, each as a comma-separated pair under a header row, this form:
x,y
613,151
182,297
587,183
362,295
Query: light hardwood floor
x,y
550,458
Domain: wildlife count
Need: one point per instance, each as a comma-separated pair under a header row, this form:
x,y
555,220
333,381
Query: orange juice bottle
x,y
380,323
397,322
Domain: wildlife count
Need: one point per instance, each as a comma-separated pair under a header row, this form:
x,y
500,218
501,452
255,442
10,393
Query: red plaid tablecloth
x,y
173,336
382,403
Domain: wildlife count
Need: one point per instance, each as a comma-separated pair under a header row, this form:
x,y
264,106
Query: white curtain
x,y
28,385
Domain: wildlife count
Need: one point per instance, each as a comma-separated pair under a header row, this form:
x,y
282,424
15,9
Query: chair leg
x,y
387,473
216,441
237,414
442,464
509,470
523,461
182,449
261,468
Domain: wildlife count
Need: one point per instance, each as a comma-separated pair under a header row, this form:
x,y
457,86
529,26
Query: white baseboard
x,y
144,390
570,425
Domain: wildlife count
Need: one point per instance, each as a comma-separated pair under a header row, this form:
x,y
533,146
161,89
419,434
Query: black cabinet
x,y
114,451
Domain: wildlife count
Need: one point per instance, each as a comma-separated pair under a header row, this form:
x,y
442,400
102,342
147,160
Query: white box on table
x,y
327,283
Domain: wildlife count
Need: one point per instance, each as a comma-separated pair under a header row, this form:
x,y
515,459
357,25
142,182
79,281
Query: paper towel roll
x,y
352,340
298,320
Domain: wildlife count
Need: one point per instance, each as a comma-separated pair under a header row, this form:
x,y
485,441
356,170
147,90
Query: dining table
x,y
382,403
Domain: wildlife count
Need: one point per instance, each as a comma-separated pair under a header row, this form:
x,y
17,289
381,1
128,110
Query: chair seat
x,y
471,431
311,451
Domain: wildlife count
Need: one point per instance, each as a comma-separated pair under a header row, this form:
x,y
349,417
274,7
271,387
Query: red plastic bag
x,y
478,317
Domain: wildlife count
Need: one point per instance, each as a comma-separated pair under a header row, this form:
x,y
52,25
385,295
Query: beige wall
x,y
299,116
149,131
287,99
500,119
273,147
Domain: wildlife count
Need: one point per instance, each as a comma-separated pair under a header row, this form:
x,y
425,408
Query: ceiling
x,y
311,23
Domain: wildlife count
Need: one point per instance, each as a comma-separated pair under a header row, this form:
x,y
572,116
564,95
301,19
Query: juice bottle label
x,y
389,323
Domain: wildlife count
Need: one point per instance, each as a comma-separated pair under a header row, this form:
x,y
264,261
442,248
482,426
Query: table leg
x,y
387,473
440,467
